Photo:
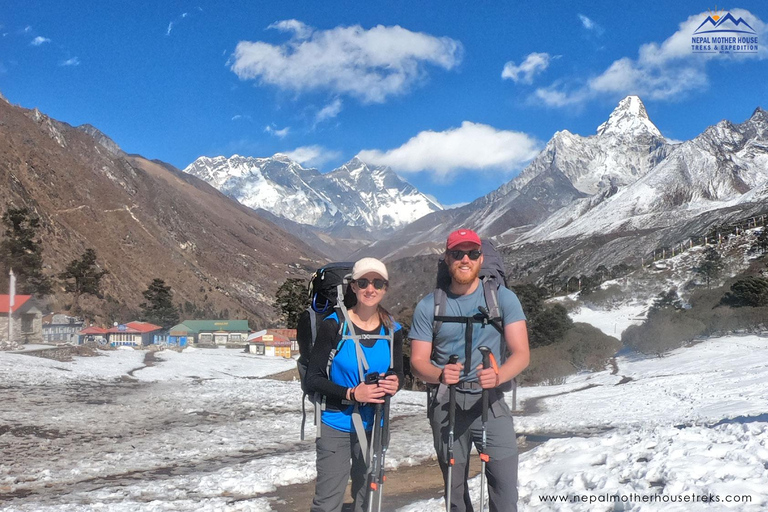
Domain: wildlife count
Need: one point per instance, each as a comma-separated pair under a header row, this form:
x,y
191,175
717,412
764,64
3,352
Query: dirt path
x,y
404,486
407,484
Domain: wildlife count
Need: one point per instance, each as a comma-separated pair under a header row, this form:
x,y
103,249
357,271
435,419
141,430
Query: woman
x,y
344,392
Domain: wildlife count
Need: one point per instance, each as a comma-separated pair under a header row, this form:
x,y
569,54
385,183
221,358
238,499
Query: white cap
x,y
366,265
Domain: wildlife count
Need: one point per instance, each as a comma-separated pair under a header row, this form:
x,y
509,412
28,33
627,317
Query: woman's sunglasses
x,y
459,255
363,283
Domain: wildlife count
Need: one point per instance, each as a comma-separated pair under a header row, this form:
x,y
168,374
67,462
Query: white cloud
x,y
175,21
370,65
665,71
329,111
299,29
590,25
277,133
39,40
244,117
74,61
472,146
312,155
533,64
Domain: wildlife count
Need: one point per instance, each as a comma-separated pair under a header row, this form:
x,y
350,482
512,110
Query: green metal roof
x,y
196,326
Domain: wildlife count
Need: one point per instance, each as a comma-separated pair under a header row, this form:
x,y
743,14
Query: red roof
x,y
5,300
93,330
127,330
143,326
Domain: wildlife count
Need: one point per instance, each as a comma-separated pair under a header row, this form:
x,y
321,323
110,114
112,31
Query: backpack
x,y
325,295
492,276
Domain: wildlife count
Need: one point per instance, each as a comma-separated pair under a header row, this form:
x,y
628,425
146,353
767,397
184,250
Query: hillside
x,y
145,219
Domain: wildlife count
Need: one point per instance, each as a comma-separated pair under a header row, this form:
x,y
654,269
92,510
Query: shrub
x,y
588,347
662,332
549,326
750,292
548,364
583,348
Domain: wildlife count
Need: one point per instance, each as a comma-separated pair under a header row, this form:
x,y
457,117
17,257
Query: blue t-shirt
x,y
344,371
450,338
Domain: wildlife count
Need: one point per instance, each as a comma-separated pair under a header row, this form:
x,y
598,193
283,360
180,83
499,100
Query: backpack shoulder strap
x,y
439,296
312,324
491,292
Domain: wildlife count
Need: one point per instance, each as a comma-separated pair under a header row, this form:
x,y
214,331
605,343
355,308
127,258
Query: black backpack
x,y
492,276
327,288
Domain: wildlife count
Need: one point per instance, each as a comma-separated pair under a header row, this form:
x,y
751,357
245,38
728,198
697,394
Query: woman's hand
x,y
369,393
390,384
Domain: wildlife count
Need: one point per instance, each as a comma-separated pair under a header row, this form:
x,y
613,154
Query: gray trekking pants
x,y
334,451
501,470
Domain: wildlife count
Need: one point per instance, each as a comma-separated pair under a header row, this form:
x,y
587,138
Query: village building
x,y
132,334
269,342
219,332
61,328
27,320
92,334
288,333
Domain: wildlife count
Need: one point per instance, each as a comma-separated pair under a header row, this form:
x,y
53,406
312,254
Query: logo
x,y
722,32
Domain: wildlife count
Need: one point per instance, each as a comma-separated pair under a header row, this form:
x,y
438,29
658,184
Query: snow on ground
x,y
204,430
614,322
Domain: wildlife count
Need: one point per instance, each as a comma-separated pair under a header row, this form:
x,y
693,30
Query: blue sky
x,y
456,96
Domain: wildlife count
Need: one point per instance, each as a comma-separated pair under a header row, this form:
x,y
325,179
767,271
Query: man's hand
x,y
487,377
451,373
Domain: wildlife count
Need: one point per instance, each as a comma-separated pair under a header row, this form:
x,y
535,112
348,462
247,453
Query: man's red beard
x,y
461,278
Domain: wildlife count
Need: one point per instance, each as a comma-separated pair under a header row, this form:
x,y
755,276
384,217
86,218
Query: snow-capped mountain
x,y
725,166
624,149
570,170
355,194
626,178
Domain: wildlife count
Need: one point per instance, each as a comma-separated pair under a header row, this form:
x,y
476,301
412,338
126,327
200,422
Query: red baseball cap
x,y
460,236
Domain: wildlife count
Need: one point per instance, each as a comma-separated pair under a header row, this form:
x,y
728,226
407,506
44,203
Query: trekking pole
x,y
451,425
484,456
384,445
374,461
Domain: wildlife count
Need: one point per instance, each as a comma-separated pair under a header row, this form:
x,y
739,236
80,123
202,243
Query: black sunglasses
x,y
363,283
458,255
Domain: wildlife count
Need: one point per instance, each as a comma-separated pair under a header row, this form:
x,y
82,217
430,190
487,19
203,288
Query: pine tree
x,y
21,251
86,275
291,299
666,300
159,308
711,267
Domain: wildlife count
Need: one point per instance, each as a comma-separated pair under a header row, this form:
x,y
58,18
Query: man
x,y
429,362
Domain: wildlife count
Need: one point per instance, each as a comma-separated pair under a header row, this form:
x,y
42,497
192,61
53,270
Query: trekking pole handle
x,y
486,352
